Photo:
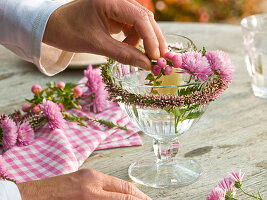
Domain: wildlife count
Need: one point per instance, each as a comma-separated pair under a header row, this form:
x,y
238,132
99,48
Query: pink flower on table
x,y
61,85
216,194
195,64
77,91
36,89
25,108
61,106
221,63
237,177
9,131
25,134
227,185
36,109
51,111
96,95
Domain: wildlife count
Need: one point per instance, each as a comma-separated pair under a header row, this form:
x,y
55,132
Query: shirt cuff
x,y
48,59
9,191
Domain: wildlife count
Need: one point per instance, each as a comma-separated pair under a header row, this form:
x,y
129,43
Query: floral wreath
x,y
211,73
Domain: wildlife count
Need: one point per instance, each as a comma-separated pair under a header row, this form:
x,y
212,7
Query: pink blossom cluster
x,y
52,112
226,188
36,89
15,134
162,68
197,65
20,133
95,96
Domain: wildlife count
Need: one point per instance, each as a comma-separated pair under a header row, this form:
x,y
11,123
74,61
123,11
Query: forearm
x,y
22,25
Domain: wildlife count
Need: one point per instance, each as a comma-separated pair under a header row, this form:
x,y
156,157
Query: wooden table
x,y
232,134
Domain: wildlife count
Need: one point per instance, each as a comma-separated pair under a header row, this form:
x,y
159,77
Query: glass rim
x,y
182,36
159,86
246,19
150,86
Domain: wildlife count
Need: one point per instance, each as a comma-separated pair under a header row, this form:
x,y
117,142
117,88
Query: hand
x,y
85,26
85,184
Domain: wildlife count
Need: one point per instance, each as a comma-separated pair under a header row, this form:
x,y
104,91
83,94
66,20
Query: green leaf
x,y
155,92
150,77
157,83
69,87
179,112
169,62
204,51
194,115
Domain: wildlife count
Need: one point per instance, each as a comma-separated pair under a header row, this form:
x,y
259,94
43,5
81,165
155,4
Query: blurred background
x,y
204,11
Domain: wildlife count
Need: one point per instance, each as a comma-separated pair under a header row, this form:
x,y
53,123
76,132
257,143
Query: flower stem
x,y
190,78
251,195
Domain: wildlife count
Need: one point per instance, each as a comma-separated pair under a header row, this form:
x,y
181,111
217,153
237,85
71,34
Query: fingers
x,y
120,196
124,53
161,40
125,12
114,185
132,37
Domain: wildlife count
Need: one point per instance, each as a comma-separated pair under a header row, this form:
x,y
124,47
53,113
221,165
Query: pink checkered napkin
x,y
62,151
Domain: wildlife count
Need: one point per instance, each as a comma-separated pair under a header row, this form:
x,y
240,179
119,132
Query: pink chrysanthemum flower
x,y
52,112
195,64
227,185
96,94
25,134
9,131
221,63
216,194
237,177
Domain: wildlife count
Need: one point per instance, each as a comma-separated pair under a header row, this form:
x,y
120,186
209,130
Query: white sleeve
x,y
9,191
22,25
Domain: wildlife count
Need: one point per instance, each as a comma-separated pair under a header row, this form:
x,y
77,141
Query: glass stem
x,y
165,151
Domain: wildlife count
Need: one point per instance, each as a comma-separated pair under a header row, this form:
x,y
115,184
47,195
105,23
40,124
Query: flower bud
x,y
156,70
25,108
77,91
36,109
161,62
168,70
61,85
60,105
36,89
177,61
168,55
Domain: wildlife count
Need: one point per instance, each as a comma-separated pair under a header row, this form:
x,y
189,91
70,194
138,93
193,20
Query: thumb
x,y
124,53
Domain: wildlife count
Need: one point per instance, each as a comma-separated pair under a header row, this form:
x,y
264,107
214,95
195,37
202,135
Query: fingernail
x,y
141,64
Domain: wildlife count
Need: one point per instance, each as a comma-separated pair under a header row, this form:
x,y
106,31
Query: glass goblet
x,y
163,125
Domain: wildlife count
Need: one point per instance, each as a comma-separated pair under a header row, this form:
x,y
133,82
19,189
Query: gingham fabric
x,y
63,151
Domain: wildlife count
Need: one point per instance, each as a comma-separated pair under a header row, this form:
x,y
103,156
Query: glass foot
x,y
172,174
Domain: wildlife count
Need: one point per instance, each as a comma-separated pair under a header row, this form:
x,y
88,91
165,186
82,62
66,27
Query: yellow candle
x,y
173,79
